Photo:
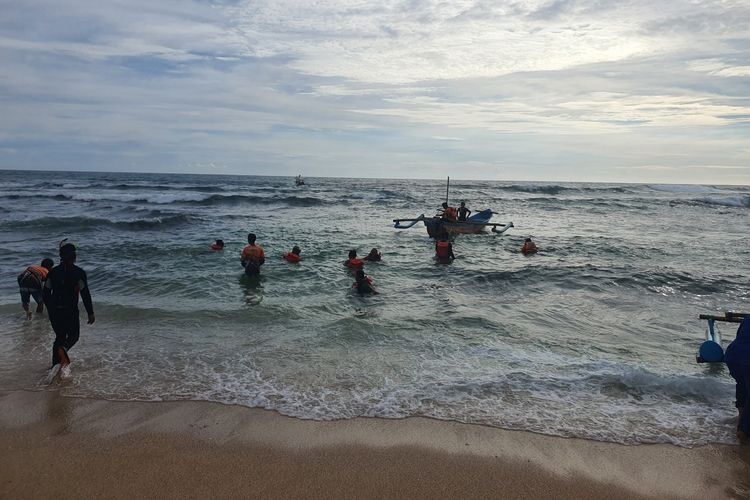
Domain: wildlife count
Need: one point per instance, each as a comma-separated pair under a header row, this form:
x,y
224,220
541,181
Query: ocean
x,y
593,337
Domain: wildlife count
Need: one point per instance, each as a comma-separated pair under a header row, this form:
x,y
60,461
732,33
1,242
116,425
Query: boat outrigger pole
x,y
447,188
711,350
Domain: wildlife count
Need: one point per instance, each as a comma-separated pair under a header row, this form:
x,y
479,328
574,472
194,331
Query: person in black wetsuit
x,y
463,212
737,357
65,283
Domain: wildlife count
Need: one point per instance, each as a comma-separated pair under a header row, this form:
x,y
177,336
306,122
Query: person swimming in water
x,y
218,246
363,283
294,256
252,256
373,256
529,247
30,284
353,262
463,212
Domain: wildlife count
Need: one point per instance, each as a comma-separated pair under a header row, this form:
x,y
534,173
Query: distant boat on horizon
x,y
299,181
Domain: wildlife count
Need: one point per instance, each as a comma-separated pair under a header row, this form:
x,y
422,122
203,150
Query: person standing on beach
x,y
65,283
252,256
30,283
737,357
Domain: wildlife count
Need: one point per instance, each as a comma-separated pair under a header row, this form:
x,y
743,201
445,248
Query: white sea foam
x,y
732,201
684,188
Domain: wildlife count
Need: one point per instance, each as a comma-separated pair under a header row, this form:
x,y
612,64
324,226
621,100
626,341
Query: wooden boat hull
x,y
438,227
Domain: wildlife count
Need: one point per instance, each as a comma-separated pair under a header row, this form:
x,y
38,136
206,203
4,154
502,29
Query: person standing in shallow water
x,y
737,357
252,256
65,283
30,284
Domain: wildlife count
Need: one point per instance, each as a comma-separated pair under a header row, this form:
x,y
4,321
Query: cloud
x,y
537,89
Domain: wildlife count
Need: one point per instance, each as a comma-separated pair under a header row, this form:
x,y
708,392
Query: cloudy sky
x,y
598,90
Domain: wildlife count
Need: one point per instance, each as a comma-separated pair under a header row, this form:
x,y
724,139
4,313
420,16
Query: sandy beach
x,y
63,447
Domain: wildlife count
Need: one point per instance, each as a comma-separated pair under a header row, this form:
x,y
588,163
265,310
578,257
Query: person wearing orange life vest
x,y
30,284
444,251
218,246
529,247
294,256
353,262
252,256
449,213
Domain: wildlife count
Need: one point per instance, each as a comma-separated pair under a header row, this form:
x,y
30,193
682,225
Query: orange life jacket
x,y
442,250
216,247
450,213
39,271
354,262
529,247
292,257
253,252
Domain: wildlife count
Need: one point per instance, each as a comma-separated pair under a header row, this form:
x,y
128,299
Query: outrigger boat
x,y
711,350
439,227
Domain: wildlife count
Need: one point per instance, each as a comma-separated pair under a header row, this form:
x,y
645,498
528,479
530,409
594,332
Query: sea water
x,y
594,337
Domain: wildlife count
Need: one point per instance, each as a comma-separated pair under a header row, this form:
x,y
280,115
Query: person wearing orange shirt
x,y
30,284
449,213
252,256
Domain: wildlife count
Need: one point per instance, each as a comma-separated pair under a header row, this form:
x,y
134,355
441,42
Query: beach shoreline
x,y
91,447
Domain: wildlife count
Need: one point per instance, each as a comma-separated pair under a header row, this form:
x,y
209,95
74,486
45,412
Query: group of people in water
x,y
253,257
60,288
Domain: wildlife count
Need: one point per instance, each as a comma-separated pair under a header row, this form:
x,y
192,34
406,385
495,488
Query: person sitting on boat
x,y
30,284
463,212
373,256
363,284
444,251
218,246
449,213
529,247
294,256
353,262
252,256
737,358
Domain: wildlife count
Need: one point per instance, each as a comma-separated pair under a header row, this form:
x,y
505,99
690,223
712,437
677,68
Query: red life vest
x,y
292,257
442,250
216,247
450,213
529,247
354,263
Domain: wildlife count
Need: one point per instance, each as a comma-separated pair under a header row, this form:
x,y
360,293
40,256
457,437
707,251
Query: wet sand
x,y
54,446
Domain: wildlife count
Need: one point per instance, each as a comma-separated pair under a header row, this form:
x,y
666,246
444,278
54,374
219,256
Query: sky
x,y
560,90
